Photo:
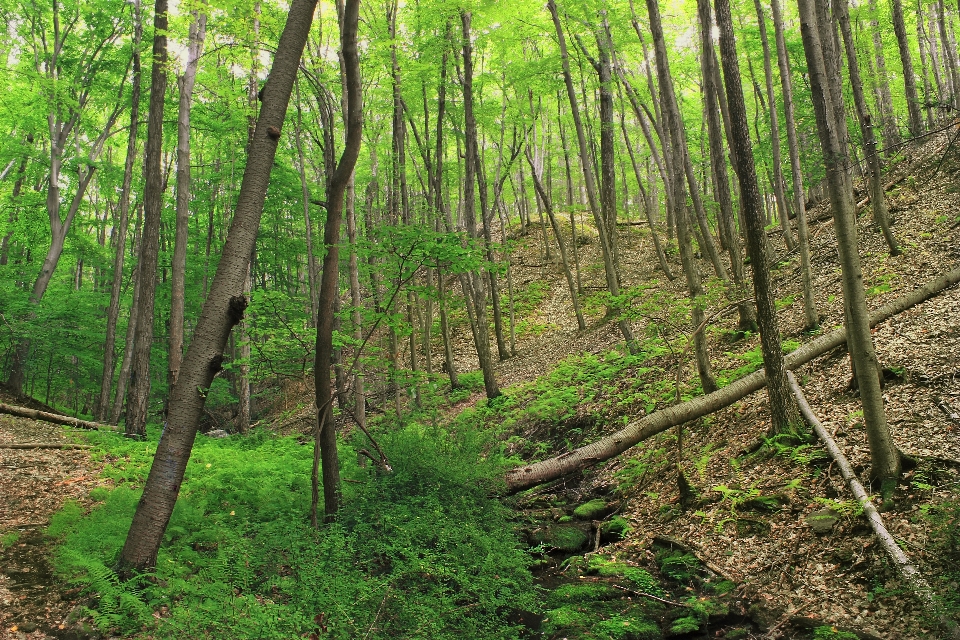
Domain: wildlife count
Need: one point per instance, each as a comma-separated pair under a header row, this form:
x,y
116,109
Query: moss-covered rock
x,y
615,530
564,537
582,592
593,510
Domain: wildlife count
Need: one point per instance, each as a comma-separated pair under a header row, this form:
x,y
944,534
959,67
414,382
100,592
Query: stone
x,y
823,521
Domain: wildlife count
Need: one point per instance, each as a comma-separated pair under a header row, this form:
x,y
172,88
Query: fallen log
x,y
530,475
55,418
44,445
906,569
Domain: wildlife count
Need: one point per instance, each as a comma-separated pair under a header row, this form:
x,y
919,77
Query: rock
x,y
217,433
615,530
567,538
593,510
764,615
823,521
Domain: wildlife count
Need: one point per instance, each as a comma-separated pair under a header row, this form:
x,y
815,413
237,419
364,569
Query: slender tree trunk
x,y
471,156
690,269
799,195
783,410
906,59
888,122
884,456
222,309
877,198
778,183
718,163
558,233
113,311
923,43
198,30
138,397
613,284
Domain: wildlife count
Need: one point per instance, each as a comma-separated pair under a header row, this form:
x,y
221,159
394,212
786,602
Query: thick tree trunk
x,y
223,308
138,396
883,454
783,411
527,476
799,195
178,271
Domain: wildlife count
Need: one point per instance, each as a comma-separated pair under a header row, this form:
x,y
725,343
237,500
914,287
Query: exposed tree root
x,y
34,414
610,446
906,569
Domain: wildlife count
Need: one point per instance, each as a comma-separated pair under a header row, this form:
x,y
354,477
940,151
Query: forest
x,y
610,319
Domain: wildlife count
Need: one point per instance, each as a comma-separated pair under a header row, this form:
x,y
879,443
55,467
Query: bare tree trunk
x,y
799,195
783,410
222,309
113,310
138,396
690,269
471,156
909,79
883,453
778,184
891,135
877,198
718,163
178,270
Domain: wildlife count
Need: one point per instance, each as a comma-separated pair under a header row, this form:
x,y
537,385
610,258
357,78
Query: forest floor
x,y
750,517
35,484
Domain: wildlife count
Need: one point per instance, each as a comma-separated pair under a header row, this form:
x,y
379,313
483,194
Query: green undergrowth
x,y
581,397
423,552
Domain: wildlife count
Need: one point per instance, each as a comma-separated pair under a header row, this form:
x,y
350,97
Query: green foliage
x,y
421,552
753,361
9,539
832,633
678,565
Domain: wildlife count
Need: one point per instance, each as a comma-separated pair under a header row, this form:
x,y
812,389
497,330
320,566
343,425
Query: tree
x,y
138,395
884,456
325,435
222,309
783,410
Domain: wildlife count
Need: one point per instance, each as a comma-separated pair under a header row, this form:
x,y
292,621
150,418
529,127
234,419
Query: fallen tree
x,y
55,418
613,445
907,570
45,445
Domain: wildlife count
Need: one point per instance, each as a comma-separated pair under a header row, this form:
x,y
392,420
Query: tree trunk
x,y
222,309
178,269
673,126
609,266
113,311
558,233
718,163
883,453
471,156
783,410
909,79
138,396
799,196
778,183
878,201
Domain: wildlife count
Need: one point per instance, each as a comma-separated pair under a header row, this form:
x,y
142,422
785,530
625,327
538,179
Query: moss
x,y
628,628
616,529
582,592
593,510
566,538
